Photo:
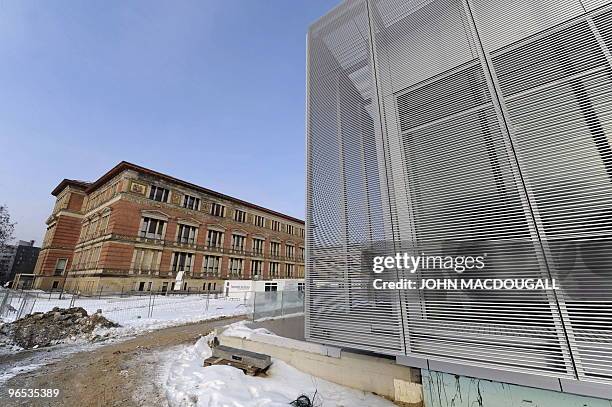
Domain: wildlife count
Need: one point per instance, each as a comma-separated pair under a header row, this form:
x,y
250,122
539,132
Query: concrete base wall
x,y
368,373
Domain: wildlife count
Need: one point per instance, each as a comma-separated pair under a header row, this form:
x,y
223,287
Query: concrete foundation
x,y
377,375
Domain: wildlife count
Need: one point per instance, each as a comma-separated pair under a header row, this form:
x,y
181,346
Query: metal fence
x,y
15,304
129,307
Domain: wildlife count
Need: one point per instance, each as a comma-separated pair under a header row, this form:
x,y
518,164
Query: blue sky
x,y
207,91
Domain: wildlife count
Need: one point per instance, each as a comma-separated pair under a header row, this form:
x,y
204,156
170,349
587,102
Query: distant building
x,y
19,258
137,229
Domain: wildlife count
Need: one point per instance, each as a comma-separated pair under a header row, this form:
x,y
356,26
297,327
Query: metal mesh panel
x,y
456,125
345,184
463,186
556,89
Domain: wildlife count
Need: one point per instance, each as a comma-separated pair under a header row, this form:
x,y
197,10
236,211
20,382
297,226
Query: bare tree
x,y
6,227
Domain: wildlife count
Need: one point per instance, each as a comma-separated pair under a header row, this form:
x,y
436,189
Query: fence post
x,y
21,307
150,314
4,300
254,302
282,303
100,293
33,304
207,300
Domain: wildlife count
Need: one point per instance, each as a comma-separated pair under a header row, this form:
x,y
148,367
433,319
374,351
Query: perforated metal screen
x,y
439,123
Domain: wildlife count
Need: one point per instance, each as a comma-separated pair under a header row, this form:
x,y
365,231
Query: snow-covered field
x,y
188,383
141,313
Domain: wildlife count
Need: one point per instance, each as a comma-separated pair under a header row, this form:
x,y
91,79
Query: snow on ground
x,y
138,314
12,371
174,311
188,383
241,330
130,312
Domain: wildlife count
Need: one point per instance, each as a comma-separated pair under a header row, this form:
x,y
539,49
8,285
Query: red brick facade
x,y
115,236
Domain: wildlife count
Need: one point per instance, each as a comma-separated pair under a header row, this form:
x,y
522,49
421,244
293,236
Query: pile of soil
x,y
49,328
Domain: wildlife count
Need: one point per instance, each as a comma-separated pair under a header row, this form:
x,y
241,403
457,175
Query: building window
x,y
256,268
159,194
191,202
186,234
289,251
238,242
290,229
259,221
302,232
93,228
146,260
275,225
301,287
212,265
182,261
274,269
94,257
152,228
301,253
83,235
236,266
217,210
271,287
274,249
60,267
300,271
104,223
289,270
214,238
76,260
258,246
239,216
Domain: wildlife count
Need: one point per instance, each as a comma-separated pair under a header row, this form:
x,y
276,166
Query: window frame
x,y
232,262
191,202
63,270
156,234
165,193
192,232
176,262
217,209
240,215
207,269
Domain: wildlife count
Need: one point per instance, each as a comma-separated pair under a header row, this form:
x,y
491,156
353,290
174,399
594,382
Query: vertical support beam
x,y
384,157
527,196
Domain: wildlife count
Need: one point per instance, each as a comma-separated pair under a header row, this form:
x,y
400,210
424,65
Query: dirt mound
x,y
44,329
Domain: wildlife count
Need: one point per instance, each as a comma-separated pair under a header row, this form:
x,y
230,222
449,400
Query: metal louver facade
x,y
486,121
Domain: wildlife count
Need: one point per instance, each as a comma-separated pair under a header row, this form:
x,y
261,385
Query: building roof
x,y
124,165
69,182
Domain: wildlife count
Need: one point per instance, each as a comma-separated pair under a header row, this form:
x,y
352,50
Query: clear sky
x,y
211,92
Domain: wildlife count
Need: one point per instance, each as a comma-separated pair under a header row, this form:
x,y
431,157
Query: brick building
x,y
137,229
